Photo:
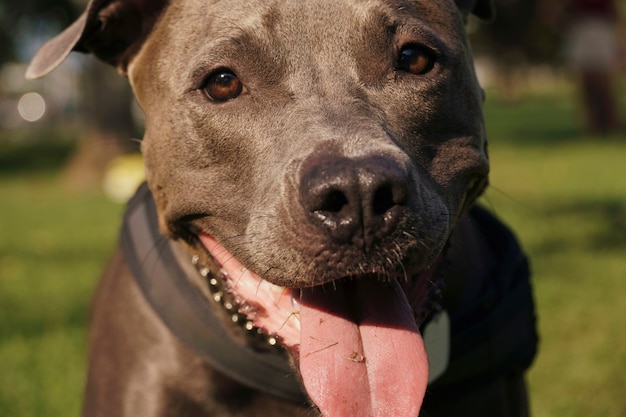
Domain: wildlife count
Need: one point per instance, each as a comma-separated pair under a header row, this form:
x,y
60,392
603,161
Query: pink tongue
x,y
361,353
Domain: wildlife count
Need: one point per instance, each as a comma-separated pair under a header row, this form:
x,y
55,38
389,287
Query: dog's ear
x,y
484,9
111,29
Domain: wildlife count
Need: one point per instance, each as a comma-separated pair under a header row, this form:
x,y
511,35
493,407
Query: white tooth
x,y
204,272
235,318
295,319
213,282
244,309
217,296
195,259
272,341
249,325
276,289
228,306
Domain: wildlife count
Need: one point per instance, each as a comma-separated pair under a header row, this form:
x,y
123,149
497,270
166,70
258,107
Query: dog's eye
x,y
223,85
416,59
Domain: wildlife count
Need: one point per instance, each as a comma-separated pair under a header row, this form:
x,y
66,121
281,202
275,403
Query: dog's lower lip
x,y
269,307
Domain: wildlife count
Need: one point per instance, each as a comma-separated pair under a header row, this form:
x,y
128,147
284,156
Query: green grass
x,y
562,191
52,246
567,203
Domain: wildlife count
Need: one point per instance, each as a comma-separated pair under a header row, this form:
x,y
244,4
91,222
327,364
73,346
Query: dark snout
x,y
355,201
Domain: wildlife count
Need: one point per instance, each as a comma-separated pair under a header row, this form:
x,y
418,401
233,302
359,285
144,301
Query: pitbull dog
x,y
316,161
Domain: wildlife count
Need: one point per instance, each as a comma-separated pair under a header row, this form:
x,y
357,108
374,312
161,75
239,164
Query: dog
x,y
309,216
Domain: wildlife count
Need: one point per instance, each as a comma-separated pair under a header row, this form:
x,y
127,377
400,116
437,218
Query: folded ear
x,y
113,30
484,9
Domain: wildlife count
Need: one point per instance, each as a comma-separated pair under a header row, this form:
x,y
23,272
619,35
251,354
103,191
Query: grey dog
x,y
309,217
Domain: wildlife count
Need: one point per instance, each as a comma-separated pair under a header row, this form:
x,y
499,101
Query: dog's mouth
x,y
356,340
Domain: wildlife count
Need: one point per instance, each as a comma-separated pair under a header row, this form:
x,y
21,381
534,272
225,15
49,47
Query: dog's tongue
x,y
361,353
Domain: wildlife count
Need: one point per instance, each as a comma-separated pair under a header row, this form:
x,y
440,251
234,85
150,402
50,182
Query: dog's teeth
x,y
195,259
213,282
235,318
249,325
228,305
205,272
276,289
272,341
218,296
295,319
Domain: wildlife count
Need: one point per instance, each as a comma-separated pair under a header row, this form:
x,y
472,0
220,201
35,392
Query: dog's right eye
x,y
223,85
416,59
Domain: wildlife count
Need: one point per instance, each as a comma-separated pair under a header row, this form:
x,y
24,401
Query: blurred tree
x,y
108,125
518,38
29,19
106,100
522,30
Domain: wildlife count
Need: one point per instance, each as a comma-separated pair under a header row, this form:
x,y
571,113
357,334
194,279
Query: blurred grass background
x,y
563,192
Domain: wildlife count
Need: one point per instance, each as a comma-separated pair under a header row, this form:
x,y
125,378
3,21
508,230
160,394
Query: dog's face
x,y
298,85
322,150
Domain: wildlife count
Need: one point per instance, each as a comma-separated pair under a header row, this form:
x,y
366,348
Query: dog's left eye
x,y
223,85
416,59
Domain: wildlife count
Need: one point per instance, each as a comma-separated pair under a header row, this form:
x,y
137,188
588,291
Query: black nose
x,y
355,201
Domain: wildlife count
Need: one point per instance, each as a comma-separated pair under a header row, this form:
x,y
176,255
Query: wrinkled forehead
x,y
258,12
318,24
312,20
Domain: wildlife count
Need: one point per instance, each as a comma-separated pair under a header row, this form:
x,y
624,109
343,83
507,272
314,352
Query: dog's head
x,y
320,152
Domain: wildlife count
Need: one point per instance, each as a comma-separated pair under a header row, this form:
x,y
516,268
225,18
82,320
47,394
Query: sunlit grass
x,y
567,203
564,193
53,245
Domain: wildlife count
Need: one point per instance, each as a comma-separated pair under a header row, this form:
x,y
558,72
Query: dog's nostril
x,y
389,195
383,200
333,202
